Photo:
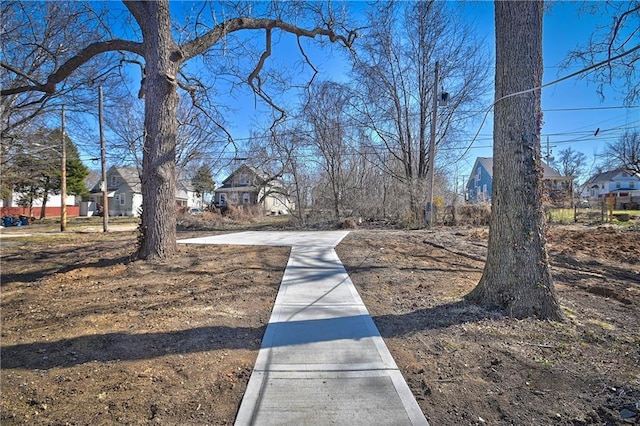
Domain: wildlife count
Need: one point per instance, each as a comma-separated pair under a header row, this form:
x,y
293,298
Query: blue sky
x,y
573,110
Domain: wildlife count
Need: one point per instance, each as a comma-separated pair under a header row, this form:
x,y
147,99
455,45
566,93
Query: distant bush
x,y
411,221
622,217
239,214
206,220
473,214
348,223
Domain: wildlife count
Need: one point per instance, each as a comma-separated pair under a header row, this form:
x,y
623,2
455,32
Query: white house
x,y
621,184
124,193
186,195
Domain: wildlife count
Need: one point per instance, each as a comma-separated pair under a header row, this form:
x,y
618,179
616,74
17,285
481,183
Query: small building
x,y
249,186
186,195
480,184
621,184
13,206
124,193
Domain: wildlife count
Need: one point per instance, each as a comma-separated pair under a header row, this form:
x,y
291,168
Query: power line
x,y
590,108
574,74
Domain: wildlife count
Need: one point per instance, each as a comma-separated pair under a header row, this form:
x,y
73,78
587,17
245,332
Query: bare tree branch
x,y
205,41
74,63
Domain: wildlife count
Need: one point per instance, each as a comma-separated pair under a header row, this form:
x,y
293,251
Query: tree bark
x,y
163,58
517,276
43,209
160,122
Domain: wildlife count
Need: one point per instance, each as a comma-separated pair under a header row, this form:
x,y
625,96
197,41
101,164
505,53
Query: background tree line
x,y
350,145
354,147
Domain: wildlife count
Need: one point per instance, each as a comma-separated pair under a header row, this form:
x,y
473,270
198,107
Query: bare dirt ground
x,y
90,337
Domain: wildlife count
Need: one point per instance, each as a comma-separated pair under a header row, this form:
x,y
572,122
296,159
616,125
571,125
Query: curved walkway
x,y
322,360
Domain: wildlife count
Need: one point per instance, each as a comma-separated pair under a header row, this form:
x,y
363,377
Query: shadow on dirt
x,y
128,347
437,317
48,261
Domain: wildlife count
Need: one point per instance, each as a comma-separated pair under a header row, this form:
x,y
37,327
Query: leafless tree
x,y
326,112
570,163
279,152
517,277
37,38
615,44
198,138
124,121
165,57
625,152
394,67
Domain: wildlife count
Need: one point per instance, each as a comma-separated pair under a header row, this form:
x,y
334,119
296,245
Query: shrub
x,y
474,214
348,223
410,221
622,217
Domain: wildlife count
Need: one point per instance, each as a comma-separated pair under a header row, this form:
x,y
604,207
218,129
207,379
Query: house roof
x,y
548,172
131,179
185,185
610,175
260,174
262,181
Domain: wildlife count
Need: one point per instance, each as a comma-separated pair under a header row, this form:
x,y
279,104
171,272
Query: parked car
x,y
583,204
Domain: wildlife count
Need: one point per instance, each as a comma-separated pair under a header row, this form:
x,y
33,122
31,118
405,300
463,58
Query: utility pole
x,y
103,160
548,157
429,217
63,180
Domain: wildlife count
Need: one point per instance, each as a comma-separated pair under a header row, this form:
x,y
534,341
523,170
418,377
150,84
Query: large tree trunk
x,y
160,123
516,276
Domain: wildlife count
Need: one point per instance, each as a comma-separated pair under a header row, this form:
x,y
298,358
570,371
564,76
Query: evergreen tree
x,y
39,169
202,181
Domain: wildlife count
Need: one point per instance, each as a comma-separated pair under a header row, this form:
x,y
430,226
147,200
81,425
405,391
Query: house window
x,y
114,180
245,198
617,185
632,185
244,180
120,199
484,188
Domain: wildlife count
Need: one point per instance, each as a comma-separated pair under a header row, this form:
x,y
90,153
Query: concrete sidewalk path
x,y
322,359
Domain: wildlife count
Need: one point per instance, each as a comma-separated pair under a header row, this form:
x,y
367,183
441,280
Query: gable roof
x,y
260,175
548,172
610,175
129,177
185,185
